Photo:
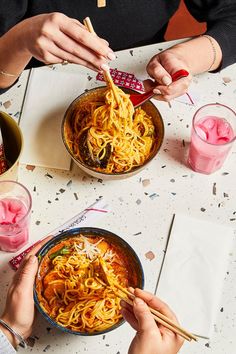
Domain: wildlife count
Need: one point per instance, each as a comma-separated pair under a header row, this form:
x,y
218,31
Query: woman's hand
x,y
150,338
160,68
19,310
54,37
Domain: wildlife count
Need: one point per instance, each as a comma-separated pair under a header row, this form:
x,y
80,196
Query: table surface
x,y
142,206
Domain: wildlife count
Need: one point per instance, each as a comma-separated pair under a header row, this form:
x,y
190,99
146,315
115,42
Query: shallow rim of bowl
x,y
101,173
71,233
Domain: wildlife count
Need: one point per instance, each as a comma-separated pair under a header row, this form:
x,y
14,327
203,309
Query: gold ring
x,y
65,62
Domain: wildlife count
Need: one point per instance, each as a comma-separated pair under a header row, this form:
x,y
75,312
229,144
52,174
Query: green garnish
x,y
63,250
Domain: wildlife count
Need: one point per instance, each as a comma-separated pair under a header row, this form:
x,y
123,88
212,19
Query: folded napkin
x,y
49,93
193,271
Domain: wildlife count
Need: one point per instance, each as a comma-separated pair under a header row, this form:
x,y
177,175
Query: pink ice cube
x,y
209,123
223,128
201,131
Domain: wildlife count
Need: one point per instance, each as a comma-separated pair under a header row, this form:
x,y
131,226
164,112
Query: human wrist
x,y
11,338
204,47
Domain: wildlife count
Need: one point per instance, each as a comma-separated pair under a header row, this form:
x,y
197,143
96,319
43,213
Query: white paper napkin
x,y
48,95
192,276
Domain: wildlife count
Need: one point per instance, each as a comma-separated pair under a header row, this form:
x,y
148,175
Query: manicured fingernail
x,y
156,91
105,67
166,80
32,259
111,56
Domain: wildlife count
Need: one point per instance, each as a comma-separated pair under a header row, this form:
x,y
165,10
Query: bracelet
x,y
17,335
4,73
213,49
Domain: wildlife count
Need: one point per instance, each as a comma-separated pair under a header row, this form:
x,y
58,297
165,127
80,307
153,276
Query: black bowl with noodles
x,y
67,131
70,278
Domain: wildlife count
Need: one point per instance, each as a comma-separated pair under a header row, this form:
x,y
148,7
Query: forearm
x,y
200,54
14,56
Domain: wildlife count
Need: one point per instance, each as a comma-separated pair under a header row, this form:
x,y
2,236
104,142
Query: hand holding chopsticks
x,y
158,316
150,338
164,317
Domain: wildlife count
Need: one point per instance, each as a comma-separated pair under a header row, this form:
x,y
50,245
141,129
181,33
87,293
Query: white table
x,y
140,214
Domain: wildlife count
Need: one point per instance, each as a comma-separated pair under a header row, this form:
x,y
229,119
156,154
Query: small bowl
x,y
148,107
133,264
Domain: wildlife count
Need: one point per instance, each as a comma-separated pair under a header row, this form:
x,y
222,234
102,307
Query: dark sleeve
x,y
220,16
11,12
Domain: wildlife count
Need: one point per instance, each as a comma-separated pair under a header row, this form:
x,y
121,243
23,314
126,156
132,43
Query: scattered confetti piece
x,y
183,142
214,189
37,222
225,173
7,104
47,347
62,190
76,196
146,182
222,309
226,80
137,233
172,180
153,196
69,183
150,255
30,167
48,175
131,53
203,210
138,201
225,195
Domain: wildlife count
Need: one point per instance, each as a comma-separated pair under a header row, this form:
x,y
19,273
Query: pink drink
x,y
12,219
15,207
211,138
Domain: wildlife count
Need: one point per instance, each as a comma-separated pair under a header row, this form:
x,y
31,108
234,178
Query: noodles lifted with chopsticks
x,y
72,288
118,137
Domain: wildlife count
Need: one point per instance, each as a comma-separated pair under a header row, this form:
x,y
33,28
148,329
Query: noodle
x,y
71,287
118,138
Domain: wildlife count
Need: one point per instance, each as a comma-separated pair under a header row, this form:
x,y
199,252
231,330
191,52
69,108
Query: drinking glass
x,y
15,210
212,136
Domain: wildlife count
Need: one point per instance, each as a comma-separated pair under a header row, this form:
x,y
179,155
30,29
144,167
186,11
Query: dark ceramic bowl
x,y
148,107
135,267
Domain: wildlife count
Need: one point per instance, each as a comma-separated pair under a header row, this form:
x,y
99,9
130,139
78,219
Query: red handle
x,y
179,74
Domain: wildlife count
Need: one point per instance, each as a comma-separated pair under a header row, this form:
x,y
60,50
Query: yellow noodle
x,y
80,299
128,133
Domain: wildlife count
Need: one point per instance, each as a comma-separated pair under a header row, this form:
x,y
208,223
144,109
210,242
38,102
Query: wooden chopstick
x,y
88,24
160,318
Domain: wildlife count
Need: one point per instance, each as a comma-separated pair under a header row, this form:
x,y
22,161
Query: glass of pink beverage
x,y
15,209
212,136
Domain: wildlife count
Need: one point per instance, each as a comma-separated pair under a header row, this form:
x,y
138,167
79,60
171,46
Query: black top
x,y
131,23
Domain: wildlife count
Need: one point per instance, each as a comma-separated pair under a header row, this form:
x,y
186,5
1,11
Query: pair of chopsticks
x,y
106,73
159,317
